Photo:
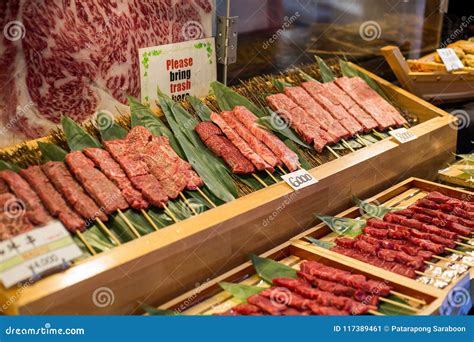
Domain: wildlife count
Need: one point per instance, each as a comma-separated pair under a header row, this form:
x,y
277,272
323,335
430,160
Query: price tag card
x,y
39,251
450,59
403,135
179,69
299,179
458,302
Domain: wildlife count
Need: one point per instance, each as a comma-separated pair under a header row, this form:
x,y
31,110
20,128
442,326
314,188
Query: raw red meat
x,y
383,112
240,143
76,57
215,140
261,149
104,161
66,185
52,199
335,109
35,212
97,185
287,156
337,95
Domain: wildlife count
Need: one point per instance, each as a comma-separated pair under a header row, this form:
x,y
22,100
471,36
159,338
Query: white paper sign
x,y
450,59
180,69
36,252
403,135
299,179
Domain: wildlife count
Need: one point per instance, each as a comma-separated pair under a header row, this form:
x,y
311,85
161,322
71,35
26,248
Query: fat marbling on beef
x,y
76,57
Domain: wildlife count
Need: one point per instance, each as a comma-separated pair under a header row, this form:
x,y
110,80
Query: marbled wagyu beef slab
x,y
76,57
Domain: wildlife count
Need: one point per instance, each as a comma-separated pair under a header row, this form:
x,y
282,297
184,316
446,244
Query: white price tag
x,y
299,179
403,135
450,59
36,252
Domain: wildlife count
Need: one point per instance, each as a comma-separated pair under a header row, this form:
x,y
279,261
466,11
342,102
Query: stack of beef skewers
x,y
135,172
326,113
405,241
318,290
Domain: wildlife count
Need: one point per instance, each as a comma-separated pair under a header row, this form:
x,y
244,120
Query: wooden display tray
x,y
400,195
437,86
163,264
453,174
209,298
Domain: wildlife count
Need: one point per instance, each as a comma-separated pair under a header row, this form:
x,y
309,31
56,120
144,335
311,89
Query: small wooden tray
x,y
209,298
453,174
438,85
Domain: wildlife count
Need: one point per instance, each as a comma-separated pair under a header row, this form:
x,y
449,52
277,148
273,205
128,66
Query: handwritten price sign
x,y
299,179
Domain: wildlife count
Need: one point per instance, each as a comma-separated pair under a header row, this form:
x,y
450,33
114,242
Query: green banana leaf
x,y
343,225
268,269
77,138
161,218
227,99
211,169
326,73
108,128
371,209
7,166
51,152
203,111
320,243
280,85
240,291
152,311
143,116
352,143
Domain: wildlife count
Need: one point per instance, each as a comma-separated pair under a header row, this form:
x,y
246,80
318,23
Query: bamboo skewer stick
x,y
272,177
149,220
435,265
378,134
281,169
128,223
108,232
449,260
259,180
346,144
375,313
333,152
429,275
188,204
170,213
464,238
400,305
456,252
84,241
464,245
207,198
398,294
362,140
